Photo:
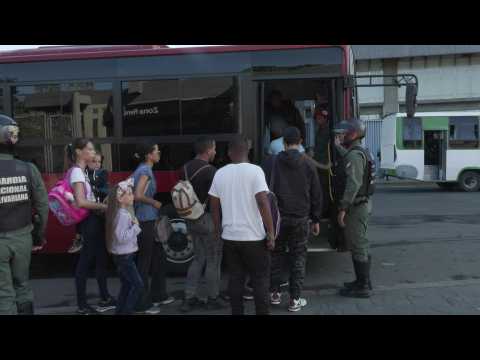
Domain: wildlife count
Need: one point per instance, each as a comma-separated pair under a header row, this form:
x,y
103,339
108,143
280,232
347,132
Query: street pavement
x,y
425,248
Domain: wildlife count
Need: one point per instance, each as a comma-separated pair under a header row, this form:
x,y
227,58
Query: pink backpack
x,y
61,202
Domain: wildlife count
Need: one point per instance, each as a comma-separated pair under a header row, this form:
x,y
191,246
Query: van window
x,y
463,132
412,133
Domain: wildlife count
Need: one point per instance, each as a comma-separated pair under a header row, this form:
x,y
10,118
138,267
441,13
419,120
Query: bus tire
x,y
469,181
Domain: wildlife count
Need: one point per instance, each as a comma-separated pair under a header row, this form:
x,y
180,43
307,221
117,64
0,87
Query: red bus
x,y
121,95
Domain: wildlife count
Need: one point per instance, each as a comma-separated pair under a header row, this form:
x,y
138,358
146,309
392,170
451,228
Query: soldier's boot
x,y
369,269
361,290
25,308
351,285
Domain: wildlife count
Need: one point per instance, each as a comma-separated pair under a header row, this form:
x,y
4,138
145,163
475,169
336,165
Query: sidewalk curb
x,y
70,310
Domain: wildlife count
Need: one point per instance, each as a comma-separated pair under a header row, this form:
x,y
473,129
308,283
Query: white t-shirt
x,y
78,176
236,186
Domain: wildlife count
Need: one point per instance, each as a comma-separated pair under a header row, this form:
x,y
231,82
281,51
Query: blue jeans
x,y
93,250
132,284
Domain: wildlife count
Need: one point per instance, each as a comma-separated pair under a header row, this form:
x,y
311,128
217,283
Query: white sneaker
x,y
275,298
76,246
297,304
151,311
167,301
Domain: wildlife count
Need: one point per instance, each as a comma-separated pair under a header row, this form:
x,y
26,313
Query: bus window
x,y
151,108
62,111
209,106
35,155
463,133
1,100
412,133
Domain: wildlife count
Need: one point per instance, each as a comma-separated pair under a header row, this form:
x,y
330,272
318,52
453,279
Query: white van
x,y
435,147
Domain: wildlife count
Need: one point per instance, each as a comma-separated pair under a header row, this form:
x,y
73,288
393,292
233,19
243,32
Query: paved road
x,y
425,246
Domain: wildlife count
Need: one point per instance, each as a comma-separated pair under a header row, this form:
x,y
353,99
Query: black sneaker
x,y
189,305
87,310
216,304
106,305
225,296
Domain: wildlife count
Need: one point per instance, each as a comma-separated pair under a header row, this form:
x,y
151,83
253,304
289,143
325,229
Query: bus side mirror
x,y
411,100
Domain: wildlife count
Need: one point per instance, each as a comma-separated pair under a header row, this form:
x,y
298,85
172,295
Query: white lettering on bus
x,y
142,112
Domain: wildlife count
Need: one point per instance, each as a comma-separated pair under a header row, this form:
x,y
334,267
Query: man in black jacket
x,y
299,194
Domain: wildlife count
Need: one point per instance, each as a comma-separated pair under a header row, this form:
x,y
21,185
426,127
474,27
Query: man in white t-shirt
x,y
239,192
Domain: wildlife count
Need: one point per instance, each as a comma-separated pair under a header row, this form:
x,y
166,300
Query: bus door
x,y
435,152
286,102
302,96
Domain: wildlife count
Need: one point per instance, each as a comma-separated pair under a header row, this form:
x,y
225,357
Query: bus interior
x,y
302,96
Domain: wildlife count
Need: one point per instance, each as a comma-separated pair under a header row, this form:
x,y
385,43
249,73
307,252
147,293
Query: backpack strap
x,y
272,175
196,173
362,151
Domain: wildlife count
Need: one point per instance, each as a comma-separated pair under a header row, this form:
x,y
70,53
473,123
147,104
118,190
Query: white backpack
x,y
185,200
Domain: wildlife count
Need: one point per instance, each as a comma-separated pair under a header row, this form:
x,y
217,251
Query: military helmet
x,y
8,130
349,126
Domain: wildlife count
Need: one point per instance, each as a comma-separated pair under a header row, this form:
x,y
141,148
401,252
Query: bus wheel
x,y
179,248
469,181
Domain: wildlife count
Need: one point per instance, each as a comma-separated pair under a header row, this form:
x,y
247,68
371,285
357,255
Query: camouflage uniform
x,y
358,208
16,296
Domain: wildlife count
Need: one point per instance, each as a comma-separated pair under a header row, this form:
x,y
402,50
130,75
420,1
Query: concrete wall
x,y
447,82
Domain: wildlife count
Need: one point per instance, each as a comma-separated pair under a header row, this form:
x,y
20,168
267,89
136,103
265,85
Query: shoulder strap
x,y
197,172
30,173
272,174
361,150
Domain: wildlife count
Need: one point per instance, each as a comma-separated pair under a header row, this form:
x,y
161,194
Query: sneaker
x,y
248,294
167,301
189,305
106,305
151,311
285,284
275,298
86,310
76,246
215,304
297,304
225,296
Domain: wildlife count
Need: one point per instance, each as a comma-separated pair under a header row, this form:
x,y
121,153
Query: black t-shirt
x,y
203,181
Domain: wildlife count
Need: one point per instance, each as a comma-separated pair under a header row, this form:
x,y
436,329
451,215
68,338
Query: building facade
x,y
448,75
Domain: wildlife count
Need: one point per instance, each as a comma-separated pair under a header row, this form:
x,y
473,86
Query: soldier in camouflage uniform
x,y
355,207
22,193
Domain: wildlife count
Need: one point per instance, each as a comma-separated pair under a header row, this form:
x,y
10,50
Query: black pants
x,y
294,234
92,230
248,258
151,259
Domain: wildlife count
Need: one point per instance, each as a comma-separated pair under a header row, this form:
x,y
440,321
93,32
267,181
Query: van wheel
x,y
469,181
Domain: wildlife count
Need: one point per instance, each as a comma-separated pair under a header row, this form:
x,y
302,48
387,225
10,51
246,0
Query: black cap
x,y
292,135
